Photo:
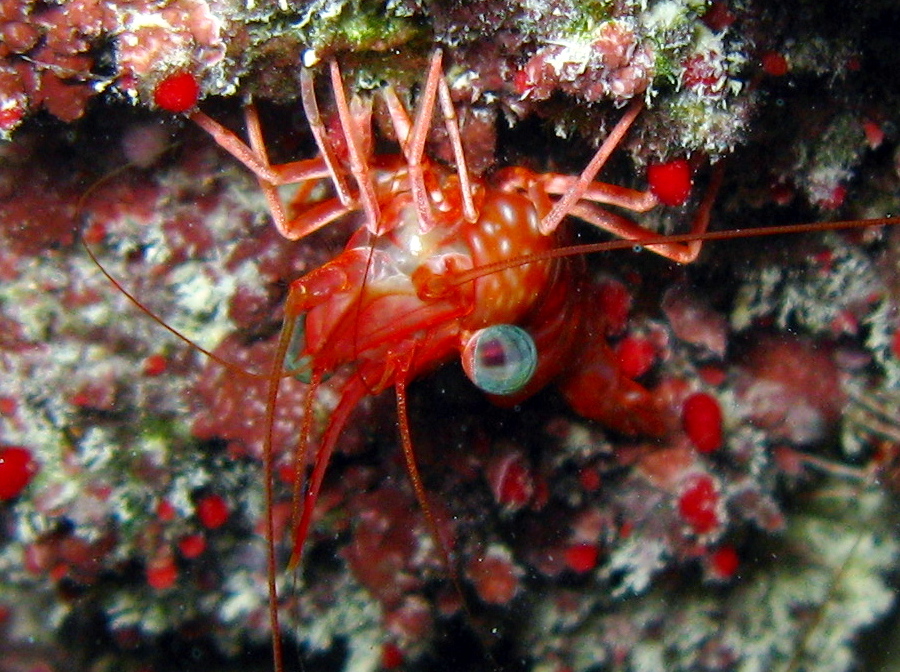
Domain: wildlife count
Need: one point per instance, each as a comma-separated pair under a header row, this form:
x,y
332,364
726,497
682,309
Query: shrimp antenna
x,y
165,325
437,285
79,210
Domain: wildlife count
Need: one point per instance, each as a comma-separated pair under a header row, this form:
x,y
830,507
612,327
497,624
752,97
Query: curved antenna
x,y
165,325
79,213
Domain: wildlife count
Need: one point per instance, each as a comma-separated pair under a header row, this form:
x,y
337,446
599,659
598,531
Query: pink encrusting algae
x,y
131,491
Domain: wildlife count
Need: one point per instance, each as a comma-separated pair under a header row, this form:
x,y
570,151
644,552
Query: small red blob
x,y
521,83
59,572
192,545
636,356
835,199
589,478
724,562
98,395
391,656
162,572
701,417
495,577
9,118
697,504
17,468
895,344
582,558
212,511
511,481
155,365
516,487
8,406
614,302
874,133
782,194
712,375
165,511
718,17
774,64
671,182
824,260
177,93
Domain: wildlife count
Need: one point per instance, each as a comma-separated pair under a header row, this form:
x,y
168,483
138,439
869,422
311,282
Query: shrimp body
x,y
372,305
396,305
442,266
375,306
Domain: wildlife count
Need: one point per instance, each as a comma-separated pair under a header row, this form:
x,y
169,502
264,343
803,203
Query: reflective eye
x,y
500,359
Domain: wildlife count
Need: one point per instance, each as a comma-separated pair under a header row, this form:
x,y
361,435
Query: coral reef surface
x,y
758,532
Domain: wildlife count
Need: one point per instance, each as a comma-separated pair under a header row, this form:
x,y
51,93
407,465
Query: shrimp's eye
x,y
500,359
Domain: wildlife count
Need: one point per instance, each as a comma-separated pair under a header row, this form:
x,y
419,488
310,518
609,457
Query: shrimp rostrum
x,y
444,266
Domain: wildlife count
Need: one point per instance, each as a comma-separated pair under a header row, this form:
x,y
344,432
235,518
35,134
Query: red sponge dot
x,y
636,356
697,505
212,510
177,93
17,468
192,545
162,572
724,562
774,64
582,558
671,182
701,417
391,656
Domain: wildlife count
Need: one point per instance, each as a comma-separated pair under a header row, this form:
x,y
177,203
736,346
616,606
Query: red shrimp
x,y
445,265
419,283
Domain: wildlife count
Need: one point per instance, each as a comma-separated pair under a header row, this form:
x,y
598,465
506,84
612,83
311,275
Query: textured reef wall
x,y
759,534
